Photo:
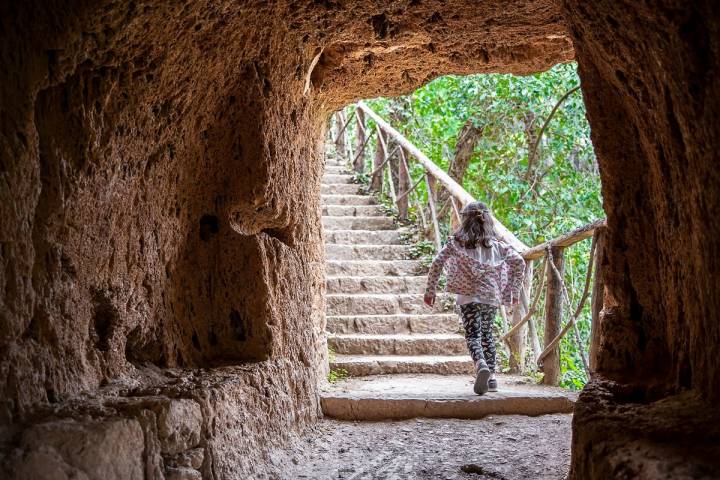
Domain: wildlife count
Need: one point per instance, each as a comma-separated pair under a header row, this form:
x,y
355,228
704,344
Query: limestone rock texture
x,y
161,289
649,76
161,280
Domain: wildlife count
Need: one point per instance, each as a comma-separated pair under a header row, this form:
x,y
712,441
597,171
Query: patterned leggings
x,y
478,322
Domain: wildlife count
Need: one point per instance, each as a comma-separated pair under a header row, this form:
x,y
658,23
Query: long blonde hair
x,y
476,227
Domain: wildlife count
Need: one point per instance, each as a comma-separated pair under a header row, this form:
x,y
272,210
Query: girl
x,y
484,273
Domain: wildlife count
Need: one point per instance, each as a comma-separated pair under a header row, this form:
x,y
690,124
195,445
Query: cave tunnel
x,y
162,262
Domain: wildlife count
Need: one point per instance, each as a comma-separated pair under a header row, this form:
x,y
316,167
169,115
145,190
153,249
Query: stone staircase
x,y
376,320
403,358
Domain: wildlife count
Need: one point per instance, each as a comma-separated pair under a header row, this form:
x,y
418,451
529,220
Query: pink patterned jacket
x,y
494,273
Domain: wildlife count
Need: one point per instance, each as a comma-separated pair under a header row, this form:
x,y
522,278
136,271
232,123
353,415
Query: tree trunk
x,y
359,164
598,295
553,317
533,152
530,139
467,140
377,178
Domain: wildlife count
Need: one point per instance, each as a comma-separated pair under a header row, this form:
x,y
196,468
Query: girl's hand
x,y
429,299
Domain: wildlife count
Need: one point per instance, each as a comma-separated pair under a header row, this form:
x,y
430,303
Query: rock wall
x,y
649,75
161,247
161,281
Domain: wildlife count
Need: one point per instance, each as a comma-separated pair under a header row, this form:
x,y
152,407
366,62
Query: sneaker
x,y
492,385
481,380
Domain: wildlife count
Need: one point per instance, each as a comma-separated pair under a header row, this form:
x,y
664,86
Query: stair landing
x,y
397,397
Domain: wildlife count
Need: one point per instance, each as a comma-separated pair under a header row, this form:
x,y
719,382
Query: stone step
x,y
376,284
397,344
381,304
363,268
366,237
337,169
363,365
394,397
337,178
357,223
394,324
335,199
367,252
389,324
340,189
353,210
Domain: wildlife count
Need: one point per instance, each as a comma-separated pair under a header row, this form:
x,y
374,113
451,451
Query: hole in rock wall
x,y
209,226
143,347
238,326
104,321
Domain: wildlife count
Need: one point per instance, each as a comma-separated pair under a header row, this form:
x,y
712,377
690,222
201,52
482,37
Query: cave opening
x,y
162,262
385,346
520,144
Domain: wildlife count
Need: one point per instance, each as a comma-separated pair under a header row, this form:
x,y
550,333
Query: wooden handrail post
x,y
378,163
359,159
346,121
553,315
433,210
455,219
598,295
346,137
525,294
517,341
403,200
339,137
391,181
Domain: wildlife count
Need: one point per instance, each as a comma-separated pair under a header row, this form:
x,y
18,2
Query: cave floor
x,y
497,447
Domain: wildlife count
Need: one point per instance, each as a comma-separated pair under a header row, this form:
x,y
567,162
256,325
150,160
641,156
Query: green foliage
x,y
422,248
337,374
361,178
558,192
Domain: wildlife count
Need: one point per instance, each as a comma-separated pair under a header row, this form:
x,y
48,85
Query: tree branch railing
x,y
402,190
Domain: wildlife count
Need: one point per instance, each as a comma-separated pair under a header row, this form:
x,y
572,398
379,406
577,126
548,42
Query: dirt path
x,y
507,447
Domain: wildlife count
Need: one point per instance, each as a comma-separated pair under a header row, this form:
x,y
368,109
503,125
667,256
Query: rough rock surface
x,y
160,166
649,75
617,433
171,422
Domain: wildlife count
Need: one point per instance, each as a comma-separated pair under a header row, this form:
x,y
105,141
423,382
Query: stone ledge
x,y
395,397
165,424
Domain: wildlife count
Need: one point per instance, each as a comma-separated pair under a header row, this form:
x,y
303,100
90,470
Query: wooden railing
x,y
391,173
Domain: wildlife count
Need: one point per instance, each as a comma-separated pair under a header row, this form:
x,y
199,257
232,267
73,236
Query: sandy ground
x,y
509,447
